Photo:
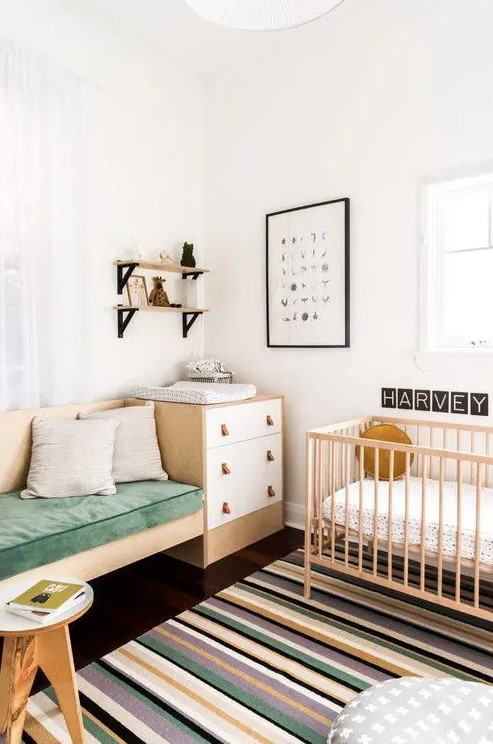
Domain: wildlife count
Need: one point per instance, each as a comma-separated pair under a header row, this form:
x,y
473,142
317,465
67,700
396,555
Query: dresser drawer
x,y
245,421
242,478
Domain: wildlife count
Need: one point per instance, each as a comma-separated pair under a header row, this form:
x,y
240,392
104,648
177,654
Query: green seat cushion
x,y
35,533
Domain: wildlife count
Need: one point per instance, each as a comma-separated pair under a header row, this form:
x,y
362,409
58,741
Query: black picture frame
x,y
347,275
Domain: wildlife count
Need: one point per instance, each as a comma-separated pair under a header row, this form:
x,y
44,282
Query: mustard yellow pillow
x,y
385,433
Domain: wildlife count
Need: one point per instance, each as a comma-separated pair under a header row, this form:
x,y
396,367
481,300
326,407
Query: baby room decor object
x,y
158,296
423,705
197,393
209,370
29,646
438,401
87,536
385,433
166,258
125,313
136,456
137,291
262,15
71,458
234,451
308,276
188,259
427,534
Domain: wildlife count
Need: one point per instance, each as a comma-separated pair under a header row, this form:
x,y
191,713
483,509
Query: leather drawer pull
x,y
271,492
225,468
270,456
224,430
226,509
270,421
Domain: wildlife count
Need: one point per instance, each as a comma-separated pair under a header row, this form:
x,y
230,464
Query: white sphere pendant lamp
x,y
262,15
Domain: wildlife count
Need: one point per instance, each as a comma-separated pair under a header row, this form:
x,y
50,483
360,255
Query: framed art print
x,y
308,275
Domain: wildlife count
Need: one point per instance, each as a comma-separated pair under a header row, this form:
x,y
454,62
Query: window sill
x,y
450,358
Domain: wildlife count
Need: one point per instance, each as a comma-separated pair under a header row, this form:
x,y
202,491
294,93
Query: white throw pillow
x,y
137,456
71,458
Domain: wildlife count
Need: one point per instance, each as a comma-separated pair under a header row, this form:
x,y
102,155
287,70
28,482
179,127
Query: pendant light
x,y
262,15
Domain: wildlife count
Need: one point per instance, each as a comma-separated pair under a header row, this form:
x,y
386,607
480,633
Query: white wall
x,y
379,97
144,152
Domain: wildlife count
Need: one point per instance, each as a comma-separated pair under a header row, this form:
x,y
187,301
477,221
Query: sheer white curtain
x,y
42,276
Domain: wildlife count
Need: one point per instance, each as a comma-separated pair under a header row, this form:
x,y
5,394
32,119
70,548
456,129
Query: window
x,y
43,256
458,265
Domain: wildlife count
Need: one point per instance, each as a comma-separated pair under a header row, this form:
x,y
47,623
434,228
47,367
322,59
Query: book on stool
x,y
47,599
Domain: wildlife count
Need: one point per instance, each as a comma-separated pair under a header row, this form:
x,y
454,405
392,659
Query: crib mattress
x,y
468,514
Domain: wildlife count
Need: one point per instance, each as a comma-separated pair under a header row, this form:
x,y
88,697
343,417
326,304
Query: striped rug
x,y
257,663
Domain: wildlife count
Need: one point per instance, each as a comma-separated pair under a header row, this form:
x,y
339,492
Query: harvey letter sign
x,y
438,401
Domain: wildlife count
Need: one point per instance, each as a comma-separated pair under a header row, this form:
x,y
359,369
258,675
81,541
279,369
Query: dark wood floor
x,y
136,598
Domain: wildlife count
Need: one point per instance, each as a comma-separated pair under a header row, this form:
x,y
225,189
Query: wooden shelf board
x,y
157,266
150,309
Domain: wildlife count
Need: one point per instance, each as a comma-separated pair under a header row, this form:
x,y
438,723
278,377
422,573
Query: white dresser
x,y
234,451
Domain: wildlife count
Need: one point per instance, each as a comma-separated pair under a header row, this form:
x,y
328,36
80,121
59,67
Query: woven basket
x,y
226,377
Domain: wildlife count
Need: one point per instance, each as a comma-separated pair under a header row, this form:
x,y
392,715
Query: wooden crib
x,y
428,534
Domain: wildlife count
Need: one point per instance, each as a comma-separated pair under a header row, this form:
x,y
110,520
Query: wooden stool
x,y
28,645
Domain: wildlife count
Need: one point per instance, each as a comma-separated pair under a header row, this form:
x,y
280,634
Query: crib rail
x,y
425,533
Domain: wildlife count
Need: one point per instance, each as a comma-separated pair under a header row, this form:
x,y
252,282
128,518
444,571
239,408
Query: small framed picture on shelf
x,y
137,291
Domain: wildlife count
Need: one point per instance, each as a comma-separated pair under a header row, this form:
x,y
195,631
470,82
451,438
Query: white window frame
x,y
431,338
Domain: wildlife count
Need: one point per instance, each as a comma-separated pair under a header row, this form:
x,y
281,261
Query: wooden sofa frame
x,y
15,449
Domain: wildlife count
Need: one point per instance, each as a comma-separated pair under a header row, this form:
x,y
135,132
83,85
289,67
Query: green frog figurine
x,y
188,259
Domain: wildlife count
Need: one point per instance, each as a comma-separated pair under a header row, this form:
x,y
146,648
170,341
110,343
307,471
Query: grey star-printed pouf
x,y
413,710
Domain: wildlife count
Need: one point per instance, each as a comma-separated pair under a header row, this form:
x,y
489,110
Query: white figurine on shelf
x,y
166,258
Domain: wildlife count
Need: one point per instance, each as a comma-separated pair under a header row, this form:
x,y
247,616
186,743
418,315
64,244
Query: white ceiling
x,y
170,31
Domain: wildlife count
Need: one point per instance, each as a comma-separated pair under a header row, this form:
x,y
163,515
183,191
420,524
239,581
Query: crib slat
x,y
390,515
472,469
316,497
423,524
406,520
308,513
334,452
477,546
487,468
355,459
440,526
360,510
321,466
341,466
458,536
375,513
347,449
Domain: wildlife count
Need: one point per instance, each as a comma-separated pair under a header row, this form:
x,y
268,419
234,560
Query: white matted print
x,y
308,276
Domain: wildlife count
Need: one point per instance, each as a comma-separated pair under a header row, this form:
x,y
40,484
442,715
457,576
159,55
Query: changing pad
x,y
202,393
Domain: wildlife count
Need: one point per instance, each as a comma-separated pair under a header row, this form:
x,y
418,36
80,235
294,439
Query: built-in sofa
x,y
87,536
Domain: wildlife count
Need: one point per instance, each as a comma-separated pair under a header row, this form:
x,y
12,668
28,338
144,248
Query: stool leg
x,y
4,687
56,661
19,667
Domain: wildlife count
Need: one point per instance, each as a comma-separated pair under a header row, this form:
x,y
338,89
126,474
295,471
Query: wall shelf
x,y
125,269
127,312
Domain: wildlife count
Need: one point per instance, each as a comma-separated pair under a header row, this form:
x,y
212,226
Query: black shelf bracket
x,y
194,276
187,324
124,272
124,317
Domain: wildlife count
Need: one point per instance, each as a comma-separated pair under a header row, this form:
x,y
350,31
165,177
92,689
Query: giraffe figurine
x,y
158,296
